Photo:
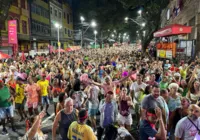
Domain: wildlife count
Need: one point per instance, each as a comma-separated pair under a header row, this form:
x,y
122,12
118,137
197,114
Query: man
x,y
136,89
64,118
152,80
154,100
109,110
79,130
147,126
188,127
93,104
44,91
6,108
20,98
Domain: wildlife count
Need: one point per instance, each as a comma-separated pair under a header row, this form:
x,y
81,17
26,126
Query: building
x,y
56,15
18,11
40,25
185,12
68,37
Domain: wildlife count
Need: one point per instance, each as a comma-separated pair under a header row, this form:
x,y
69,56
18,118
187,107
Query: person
x,y
44,91
32,90
125,102
152,80
93,104
154,100
177,115
61,103
187,128
6,108
164,83
20,98
35,131
147,128
108,109
56,91
64,118
79,130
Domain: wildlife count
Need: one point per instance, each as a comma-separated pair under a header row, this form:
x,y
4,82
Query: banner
x,y
12,32
162,54
169,54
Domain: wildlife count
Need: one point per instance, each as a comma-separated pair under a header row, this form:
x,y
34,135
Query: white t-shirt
x,y
186,130
93,97
136,88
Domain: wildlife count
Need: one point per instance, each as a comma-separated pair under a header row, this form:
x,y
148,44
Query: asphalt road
x,y
20,127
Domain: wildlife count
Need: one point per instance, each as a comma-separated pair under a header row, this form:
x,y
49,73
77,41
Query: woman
x,y
35,133
174,100
125,103
164,83
56,90
177,115
33,90
60,104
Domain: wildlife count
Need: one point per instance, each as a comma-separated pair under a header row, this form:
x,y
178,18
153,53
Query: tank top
x,y
65,122
124,107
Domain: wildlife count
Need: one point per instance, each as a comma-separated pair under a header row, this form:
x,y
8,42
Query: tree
x,y
4,8
109,15
151,13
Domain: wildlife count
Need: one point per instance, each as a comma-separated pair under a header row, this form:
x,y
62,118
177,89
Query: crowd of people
x,y
118,85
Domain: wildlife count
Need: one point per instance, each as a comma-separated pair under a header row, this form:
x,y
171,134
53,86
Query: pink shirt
x,y
32,91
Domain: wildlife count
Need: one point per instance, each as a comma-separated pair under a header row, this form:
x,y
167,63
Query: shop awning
x,y
174,29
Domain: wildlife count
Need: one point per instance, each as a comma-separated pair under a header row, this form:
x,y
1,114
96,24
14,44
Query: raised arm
x,y
123,79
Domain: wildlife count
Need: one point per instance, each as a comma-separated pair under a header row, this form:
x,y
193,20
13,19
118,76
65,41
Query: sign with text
x,y
12,32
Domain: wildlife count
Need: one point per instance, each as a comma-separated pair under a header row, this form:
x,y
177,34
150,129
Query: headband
x,y
151,114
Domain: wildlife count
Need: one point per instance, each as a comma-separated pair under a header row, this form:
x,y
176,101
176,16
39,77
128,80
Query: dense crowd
x,y
123,87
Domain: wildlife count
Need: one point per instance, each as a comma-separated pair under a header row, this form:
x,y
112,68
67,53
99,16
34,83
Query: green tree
x,y
151,13
109,15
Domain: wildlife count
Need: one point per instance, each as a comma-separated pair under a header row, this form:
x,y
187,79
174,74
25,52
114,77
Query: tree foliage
x,y
151,13
109,15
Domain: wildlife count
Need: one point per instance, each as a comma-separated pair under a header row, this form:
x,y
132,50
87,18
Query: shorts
x,y
44,100
92,112
55,99
6,112
125,119
19,106
32,105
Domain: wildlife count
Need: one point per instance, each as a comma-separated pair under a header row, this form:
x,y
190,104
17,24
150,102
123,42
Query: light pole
x,y
58,26
92,24
140,24
95,33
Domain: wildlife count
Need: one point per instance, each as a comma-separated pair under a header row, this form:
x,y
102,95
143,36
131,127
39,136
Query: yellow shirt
x,y
183,73
43,87
19,93
80,132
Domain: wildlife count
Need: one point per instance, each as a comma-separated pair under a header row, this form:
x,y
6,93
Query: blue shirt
x,y
146,131
108,115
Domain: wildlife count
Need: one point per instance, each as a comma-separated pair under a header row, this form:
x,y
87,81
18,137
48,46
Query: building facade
x,y
68,37
185,12
40,25
20,12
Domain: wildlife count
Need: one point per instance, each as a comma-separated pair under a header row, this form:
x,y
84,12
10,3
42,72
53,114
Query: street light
x,y
58,26
140,12
95,33
93,24
82,19
113,35
127,18
143,24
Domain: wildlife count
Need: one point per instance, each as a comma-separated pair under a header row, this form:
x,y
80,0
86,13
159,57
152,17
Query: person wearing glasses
x,y
125,103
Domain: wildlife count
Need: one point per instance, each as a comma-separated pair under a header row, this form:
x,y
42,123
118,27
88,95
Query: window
x,y
15,3
64,15
51,10
33,8
71,18
65,30
56,13
18,25
69,33
24,27
23,4
38,10
60,15
68,18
